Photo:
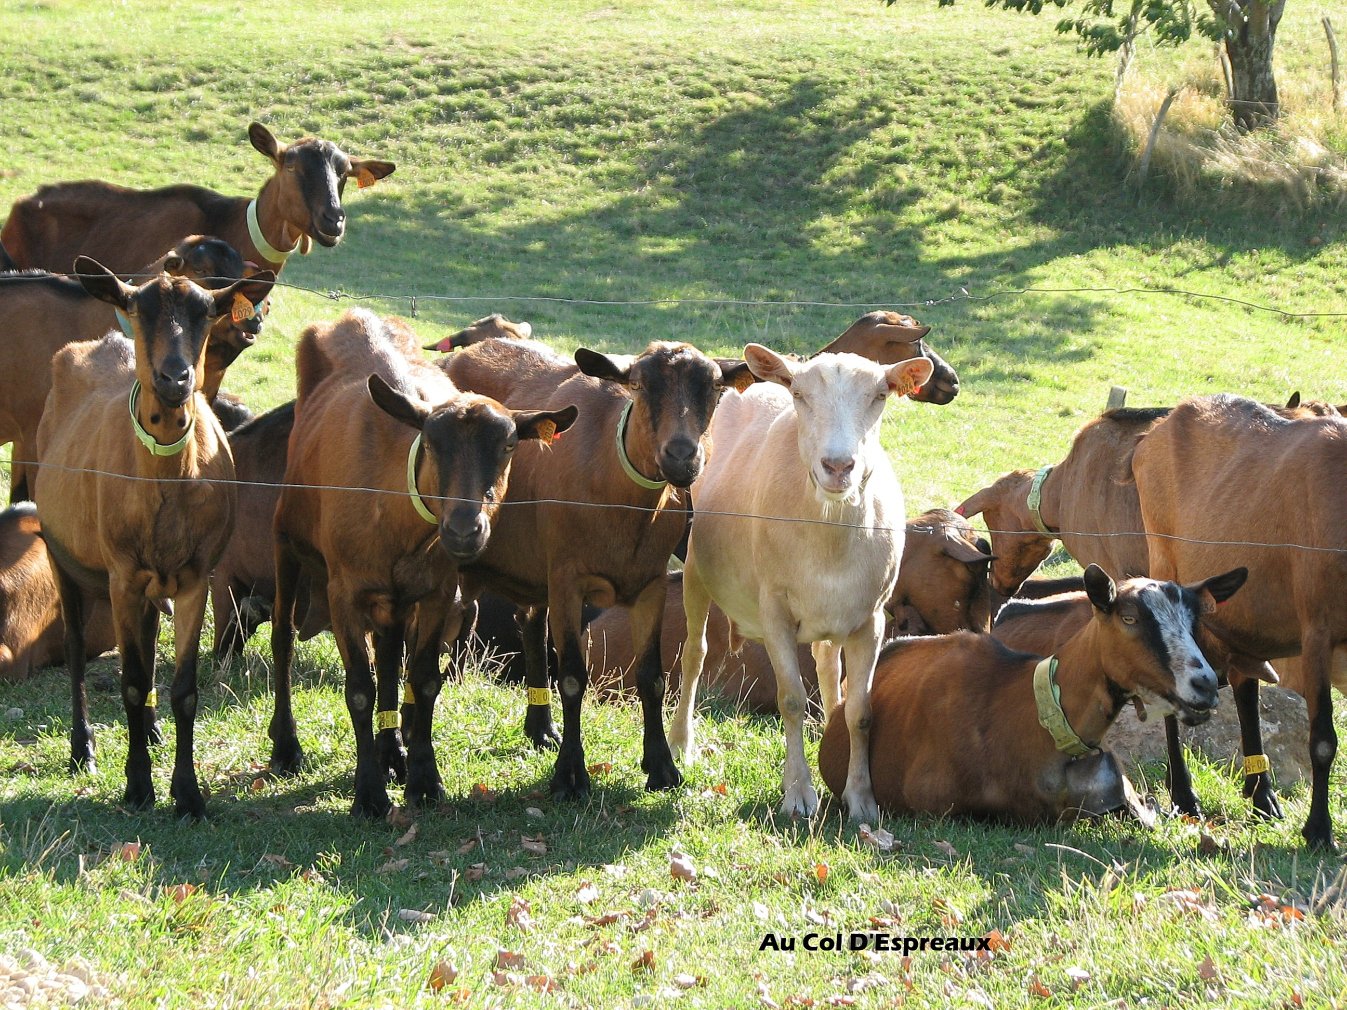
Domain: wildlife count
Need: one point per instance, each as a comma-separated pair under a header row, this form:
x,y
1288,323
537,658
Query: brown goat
x,y
372,413
123,228
1223,470
31,633
41,313
492,327
942,587
957,728
614,547
890,337
151,538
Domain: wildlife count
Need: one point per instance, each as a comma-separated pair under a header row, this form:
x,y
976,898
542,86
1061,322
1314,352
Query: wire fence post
x,y
1333,58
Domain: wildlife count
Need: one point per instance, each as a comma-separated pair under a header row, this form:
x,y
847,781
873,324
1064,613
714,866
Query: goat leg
x,y
1182,799
286,754
570,779
861,651
1257,787
696,606
72,613
1315,660
538,725
371,788
437,620
779,635
189,615
646,618
388,647
137,625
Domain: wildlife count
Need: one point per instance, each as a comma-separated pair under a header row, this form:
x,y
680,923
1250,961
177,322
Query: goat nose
x,y
682,451
840,466
334,221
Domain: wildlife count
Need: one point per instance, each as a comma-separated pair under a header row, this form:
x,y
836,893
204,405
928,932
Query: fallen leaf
x,y
506,978
1207,969
278,861
821,872
600,768
482,793
408,837
721,788
469,844
1028,850
586,893
313,876
840,1000
876,838
582,969
475,872
518,914
680,866
129,851
542,983
996,941
1038,989
645,922
533,812
685,981
181,892
257,785
1078,977
506,959
946,848
515,872
533,844
949,914
399,818
1210,845
394,866
646,962
441,975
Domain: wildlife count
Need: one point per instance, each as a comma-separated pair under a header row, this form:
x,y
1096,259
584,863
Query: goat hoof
x,y
153,736
1181,807
287,757
371,808
540,729
188,801
570,782
431,795
82,761
138,795
800,802
665,775
1264,801
392,758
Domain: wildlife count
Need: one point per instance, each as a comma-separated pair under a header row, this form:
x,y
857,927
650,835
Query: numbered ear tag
x,y
743,380
365,178
905,387
547,431
243,309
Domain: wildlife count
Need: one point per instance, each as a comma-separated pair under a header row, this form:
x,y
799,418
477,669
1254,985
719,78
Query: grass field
x,y
688,163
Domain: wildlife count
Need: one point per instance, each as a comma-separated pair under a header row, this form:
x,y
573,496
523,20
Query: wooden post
x,y
1117,397
1145,165
1223,58
1333,56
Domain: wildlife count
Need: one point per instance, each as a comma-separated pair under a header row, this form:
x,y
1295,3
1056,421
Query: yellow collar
x,y
627,467
148,440
417,503
1035,499
269,252
1048,696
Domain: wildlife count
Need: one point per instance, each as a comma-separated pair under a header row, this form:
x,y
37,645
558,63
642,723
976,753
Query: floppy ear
x,y
909,376
1219,588
736,373
544,425
613,367
254,289
1100,589
102,283
883,337
397,405
767,365
975,503
264,142
961,550
368,171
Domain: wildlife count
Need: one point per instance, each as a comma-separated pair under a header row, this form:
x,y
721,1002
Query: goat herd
x,y
395,491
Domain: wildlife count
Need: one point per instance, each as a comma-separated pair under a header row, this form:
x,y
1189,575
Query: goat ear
x,y
173,264
909,376
368,171
613,367
544,425
264,142
102,283
961,550
975,503
736,373
1219,588
254,288
1100,589
396,404
1293,401
767,365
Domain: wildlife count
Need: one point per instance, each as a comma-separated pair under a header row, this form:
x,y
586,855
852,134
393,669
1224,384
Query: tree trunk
x,y
1250,34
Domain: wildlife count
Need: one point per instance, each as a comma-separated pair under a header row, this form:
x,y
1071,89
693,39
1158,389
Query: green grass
x,y
641,152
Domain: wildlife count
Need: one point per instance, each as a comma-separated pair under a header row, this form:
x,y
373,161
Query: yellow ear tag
x,y
906,387
364,179
547,431
743,380
243,309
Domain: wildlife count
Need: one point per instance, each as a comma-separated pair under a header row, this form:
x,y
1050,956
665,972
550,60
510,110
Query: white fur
x,y
821,564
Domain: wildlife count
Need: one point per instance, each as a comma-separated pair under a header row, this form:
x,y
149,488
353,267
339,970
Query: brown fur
x,y
1228,469
41,313
364,390
31,632
955,725
942,587
564,555
891,337
123,228
146,541
492,327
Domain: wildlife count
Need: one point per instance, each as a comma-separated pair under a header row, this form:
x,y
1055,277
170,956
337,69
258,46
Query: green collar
x,y
417,503
1048,696
625,460
125,324
269,252
1035,499
148,440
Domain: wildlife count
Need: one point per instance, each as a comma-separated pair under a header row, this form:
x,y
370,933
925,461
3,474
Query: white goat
x,y
800,453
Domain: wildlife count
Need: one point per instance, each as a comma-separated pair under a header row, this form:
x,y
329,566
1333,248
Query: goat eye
x,y
490,494
1128,619
510,446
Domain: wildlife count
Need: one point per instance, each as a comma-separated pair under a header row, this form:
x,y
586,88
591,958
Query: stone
x,y
1286,736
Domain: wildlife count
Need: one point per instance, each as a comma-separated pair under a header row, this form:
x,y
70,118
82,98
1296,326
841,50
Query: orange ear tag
x,y
243,309
364,179
547,431
743,380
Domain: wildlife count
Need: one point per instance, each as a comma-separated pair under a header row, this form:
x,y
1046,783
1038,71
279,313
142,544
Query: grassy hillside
x,y
717,173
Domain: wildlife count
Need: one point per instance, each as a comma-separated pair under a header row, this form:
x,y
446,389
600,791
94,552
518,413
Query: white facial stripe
x,y
841,413
1186,662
